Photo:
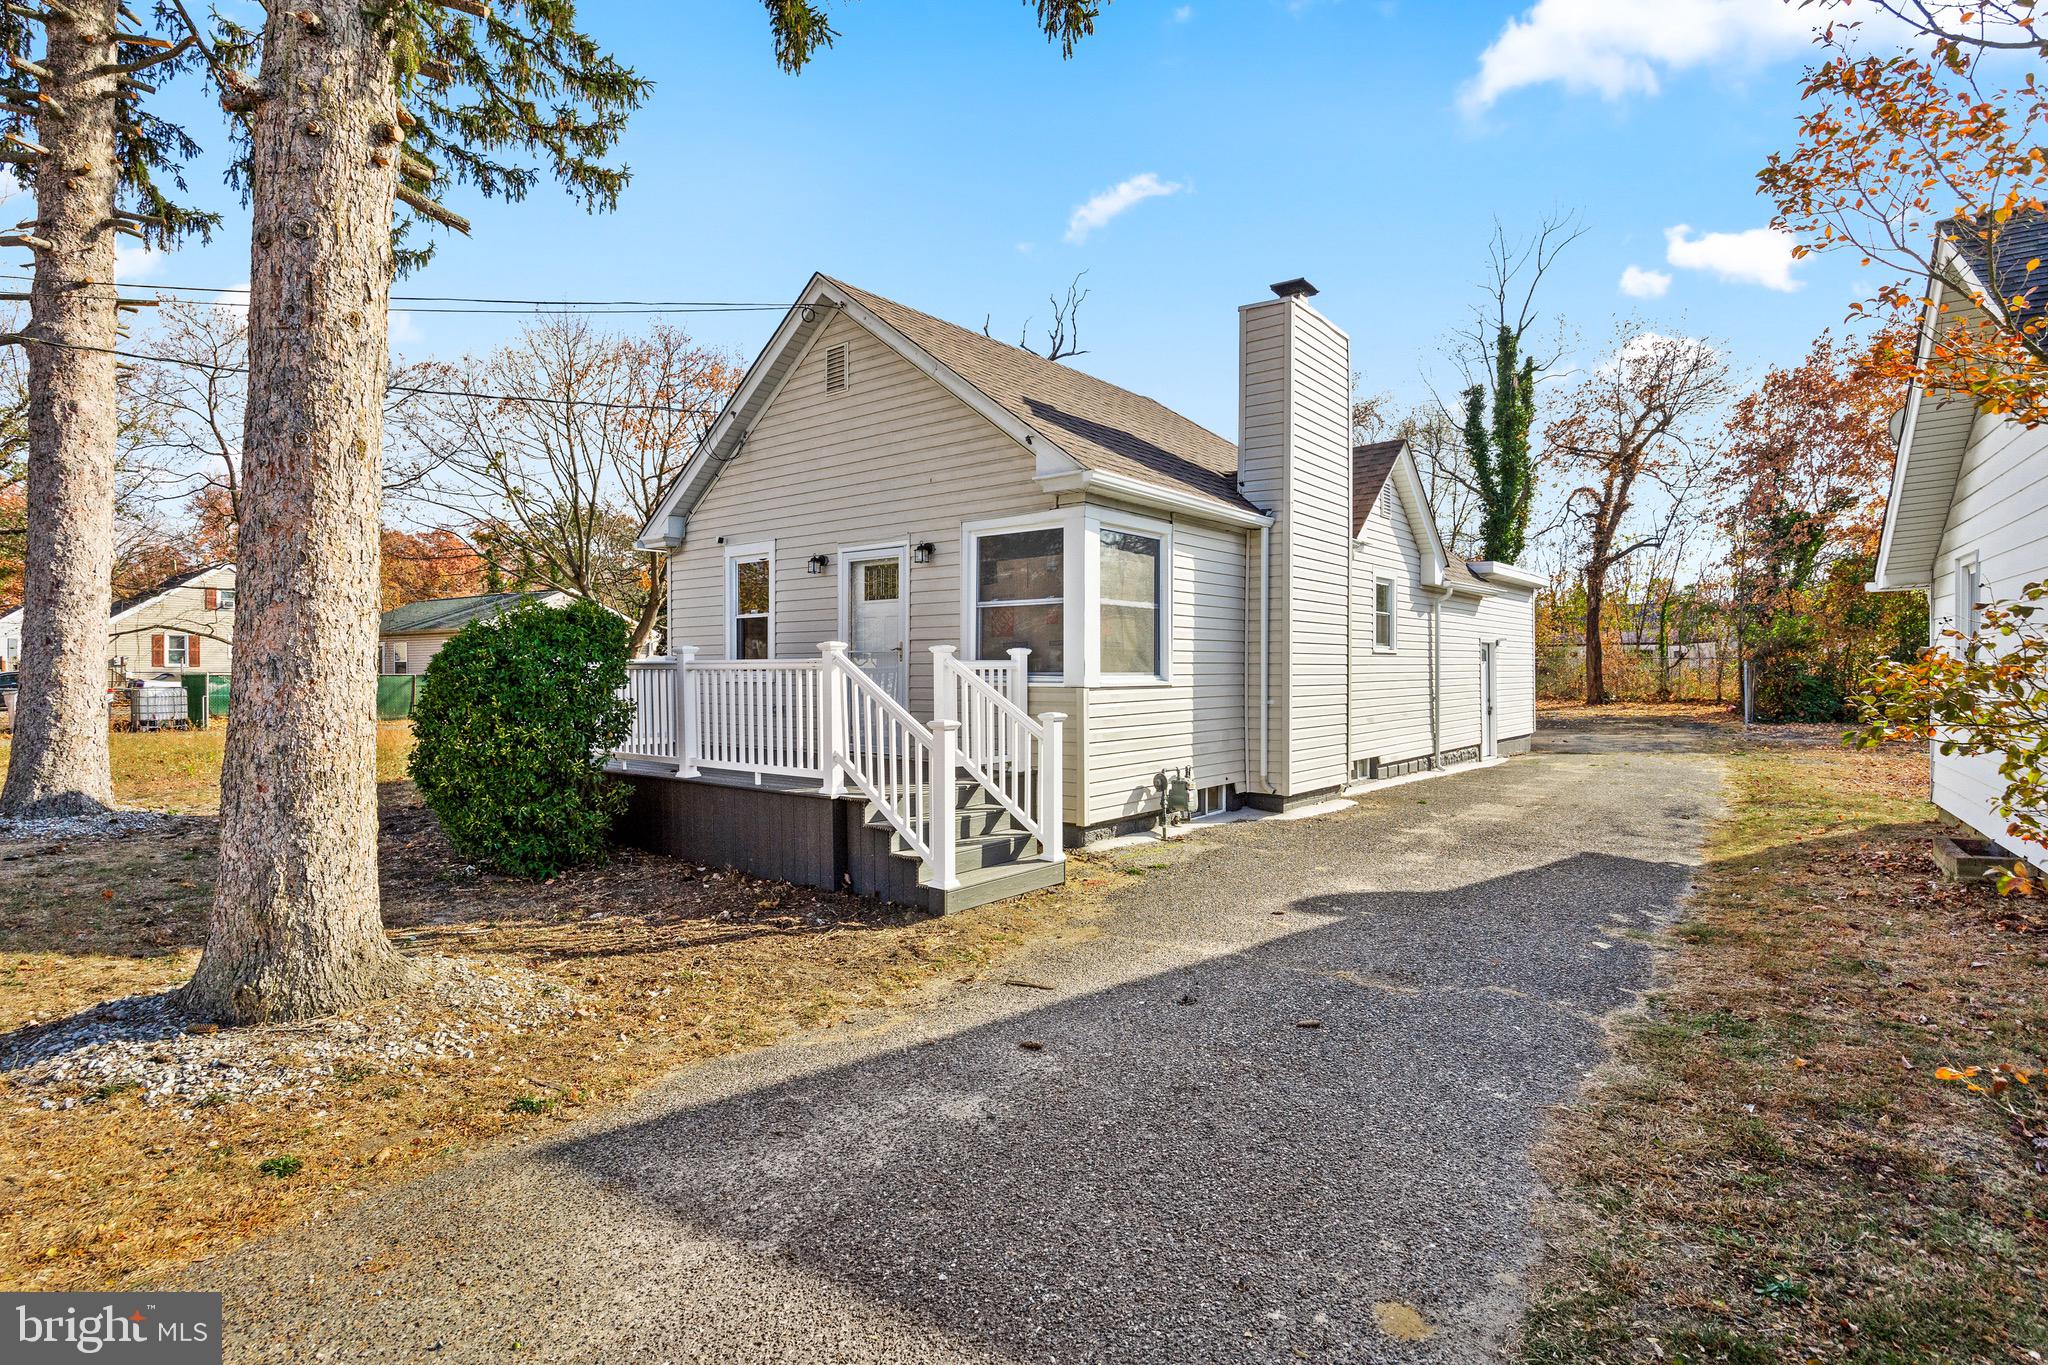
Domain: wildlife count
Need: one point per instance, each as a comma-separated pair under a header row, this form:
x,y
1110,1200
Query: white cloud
x,y
1183,14
1644,347
1026,248
1615,48
404,331
1639,283
133,264
1759,256
1098,211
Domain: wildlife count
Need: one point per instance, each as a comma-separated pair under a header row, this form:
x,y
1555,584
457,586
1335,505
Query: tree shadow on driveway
x,y
1247,1157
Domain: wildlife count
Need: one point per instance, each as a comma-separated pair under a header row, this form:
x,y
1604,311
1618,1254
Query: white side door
x,y
877,617
1487,746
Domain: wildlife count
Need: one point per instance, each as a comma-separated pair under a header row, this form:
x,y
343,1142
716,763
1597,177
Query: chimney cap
x,y
1296,288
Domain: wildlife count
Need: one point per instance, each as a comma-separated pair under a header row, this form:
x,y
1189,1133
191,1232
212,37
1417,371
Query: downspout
x,y
1436,686
1265,655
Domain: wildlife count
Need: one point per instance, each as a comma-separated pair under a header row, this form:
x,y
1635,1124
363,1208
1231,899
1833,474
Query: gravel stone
x,y
147,1043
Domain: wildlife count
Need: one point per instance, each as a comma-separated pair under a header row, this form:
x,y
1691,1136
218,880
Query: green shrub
x,y
512,728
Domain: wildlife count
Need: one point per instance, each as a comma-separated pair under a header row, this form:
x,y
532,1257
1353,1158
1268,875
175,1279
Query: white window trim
x,y
1069,521
1096,521
1393,644
184,639
1082,527
733,553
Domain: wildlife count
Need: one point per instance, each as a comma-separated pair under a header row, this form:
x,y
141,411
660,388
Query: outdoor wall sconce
x,y
819,563
922,552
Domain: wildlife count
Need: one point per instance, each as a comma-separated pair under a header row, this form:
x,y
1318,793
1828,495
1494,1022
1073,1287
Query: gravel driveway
x,y
1156,1159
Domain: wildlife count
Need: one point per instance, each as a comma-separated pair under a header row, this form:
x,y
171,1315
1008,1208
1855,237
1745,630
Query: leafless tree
x,y
1636,418
551,453
1063,334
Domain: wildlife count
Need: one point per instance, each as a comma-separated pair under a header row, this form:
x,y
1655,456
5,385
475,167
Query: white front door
x,y
1487,748
876,621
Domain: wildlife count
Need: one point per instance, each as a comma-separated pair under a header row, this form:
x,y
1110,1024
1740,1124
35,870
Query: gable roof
x,y
1936,425
134,601
453,613
1370,465
1103,427
1071,423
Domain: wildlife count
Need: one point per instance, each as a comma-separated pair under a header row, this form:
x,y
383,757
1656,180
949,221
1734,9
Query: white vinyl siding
x,y
1131,733
1389,688
1999,514
892,459
1295,454
419,651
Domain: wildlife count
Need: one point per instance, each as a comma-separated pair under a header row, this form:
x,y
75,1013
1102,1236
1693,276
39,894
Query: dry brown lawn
x,y
666,964
1771,1169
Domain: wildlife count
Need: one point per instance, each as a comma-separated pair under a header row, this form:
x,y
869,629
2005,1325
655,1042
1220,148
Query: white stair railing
x,y
1015,758
905,769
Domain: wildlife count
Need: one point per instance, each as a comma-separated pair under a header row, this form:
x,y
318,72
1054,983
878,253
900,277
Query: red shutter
x,y
156,650
213,599
192,651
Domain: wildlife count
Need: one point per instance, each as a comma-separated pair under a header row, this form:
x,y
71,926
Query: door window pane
x,y
878,581
1039,627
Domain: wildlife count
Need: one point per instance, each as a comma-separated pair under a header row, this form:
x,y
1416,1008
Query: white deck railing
x,y
651,685
1016,759
825,719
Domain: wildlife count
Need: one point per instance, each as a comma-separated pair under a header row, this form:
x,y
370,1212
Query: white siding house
x,y
185,624
409,637
1967,519
1195,610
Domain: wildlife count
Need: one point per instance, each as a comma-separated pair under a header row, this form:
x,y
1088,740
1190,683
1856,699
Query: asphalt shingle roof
x,y
1106,428
1370,465
449,613
2002,267
177,580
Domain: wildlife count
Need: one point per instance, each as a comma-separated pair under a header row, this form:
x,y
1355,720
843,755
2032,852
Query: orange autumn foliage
x,y
421,566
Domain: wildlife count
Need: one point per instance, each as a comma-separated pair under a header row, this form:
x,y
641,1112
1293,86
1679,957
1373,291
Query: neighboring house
x,y
408,637
185,624
1272,620
1967,517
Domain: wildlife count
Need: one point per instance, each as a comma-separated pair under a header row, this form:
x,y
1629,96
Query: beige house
x,y
1208,624
409,637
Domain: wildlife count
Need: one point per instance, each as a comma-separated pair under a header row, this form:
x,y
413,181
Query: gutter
x,y
1128,489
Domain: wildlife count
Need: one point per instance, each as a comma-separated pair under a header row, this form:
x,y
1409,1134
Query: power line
x,y
512,306
391,388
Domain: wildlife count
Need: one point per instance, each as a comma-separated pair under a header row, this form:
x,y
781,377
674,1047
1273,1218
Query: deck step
x,y
994,884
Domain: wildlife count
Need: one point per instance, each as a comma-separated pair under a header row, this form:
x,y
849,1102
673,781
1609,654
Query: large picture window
x,y
751,590
1020,596
1130,568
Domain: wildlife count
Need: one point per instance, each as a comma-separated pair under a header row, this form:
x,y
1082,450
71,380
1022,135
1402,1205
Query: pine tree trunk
x,y
296,930
57,764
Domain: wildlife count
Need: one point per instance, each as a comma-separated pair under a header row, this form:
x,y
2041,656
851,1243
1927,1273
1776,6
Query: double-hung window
x,y
1129,573
1383,613
1020,596
177,650
750,597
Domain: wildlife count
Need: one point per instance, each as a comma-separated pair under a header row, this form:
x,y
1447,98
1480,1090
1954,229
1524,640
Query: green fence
x,y
396,692
206,698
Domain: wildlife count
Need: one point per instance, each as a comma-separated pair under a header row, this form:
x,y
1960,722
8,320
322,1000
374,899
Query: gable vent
x,y
835,368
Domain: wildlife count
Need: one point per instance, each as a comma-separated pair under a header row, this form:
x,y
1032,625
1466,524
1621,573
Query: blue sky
x,y
939,153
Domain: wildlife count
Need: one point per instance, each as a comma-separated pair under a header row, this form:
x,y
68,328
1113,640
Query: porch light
x,y
922,552
819,563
